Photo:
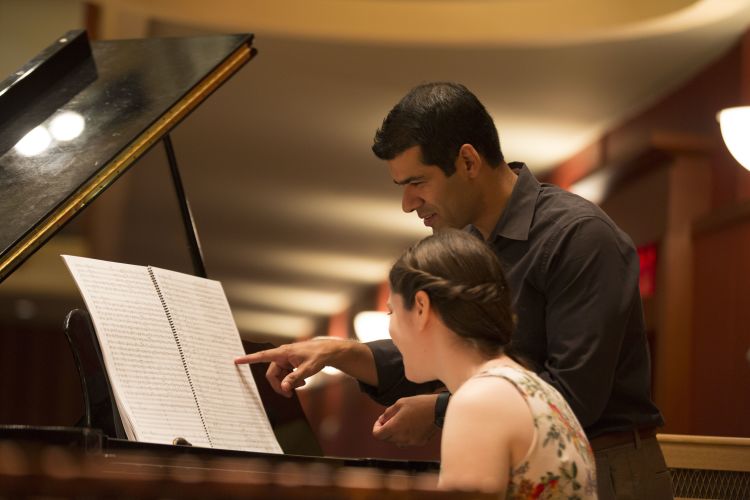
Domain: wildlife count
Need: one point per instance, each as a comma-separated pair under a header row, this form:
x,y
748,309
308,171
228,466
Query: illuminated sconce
x,y
371,325
735,129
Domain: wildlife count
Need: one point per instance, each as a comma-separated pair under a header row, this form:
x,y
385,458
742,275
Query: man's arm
x,y
591,285
291,364
410,421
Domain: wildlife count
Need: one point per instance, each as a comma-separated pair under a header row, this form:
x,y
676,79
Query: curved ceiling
x,y
444,22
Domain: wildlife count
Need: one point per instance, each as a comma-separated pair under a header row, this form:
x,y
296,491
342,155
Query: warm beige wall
x,y
26,28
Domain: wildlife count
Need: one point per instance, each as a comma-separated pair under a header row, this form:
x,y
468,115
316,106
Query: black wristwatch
x,y
440,406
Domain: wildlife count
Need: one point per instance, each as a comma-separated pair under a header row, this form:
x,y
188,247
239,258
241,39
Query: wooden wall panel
x,y
720,386
39,383
702,377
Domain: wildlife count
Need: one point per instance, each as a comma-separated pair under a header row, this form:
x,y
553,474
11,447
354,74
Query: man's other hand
x,y
408,422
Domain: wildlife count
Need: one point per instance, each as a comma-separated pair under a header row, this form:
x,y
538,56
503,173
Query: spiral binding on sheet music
x,y
182,354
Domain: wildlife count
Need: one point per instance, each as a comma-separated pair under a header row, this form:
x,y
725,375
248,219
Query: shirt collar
x,y
515,221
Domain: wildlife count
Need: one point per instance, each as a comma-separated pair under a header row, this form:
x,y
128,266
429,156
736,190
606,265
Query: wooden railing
x,y
708,466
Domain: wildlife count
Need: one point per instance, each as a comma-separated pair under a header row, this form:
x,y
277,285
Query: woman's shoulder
x,y
493,410
497,398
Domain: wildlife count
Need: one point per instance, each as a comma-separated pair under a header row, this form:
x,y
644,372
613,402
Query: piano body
x,y
116,101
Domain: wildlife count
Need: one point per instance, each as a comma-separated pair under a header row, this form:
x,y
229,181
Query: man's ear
x,y
468,160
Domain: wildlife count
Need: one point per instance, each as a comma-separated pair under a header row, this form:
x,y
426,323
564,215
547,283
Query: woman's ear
x,y
421,301
422,308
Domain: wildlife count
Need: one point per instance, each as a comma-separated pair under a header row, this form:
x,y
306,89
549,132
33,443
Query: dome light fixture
x,y
735,130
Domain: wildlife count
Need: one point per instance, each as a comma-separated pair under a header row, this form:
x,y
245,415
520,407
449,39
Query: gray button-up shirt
x,y
573,276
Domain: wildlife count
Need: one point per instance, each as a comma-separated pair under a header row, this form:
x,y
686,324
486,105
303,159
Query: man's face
x,y
440,201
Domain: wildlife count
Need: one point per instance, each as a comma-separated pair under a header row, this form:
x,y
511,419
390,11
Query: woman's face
x,y
403,327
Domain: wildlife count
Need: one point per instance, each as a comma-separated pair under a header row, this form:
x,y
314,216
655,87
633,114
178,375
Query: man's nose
x,y
409,202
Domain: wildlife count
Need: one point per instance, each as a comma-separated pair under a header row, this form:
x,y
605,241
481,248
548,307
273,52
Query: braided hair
x,y
466,286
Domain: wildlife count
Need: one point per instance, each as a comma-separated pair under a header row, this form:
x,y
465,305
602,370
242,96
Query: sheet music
x,y
226,393
146,373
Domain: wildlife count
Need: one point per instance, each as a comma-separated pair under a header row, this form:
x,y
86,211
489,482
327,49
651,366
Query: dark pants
x,y
633,469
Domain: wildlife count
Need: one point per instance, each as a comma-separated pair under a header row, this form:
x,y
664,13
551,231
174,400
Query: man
x,y
573,277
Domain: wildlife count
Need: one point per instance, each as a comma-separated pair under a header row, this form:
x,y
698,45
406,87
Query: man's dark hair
x,y
466,286
438,117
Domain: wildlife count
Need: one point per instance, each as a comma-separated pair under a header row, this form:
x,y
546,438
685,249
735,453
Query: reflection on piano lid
x,y
48,81
108,104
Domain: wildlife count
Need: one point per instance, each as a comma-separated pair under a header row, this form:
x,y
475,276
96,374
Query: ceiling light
x,y
594,187
371,325
312,263
284,325
735,129
285,297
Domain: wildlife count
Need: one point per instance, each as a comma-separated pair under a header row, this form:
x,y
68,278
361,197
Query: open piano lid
x,y
120,97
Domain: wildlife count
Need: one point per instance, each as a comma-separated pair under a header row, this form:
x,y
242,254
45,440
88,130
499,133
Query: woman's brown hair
x,y
466,286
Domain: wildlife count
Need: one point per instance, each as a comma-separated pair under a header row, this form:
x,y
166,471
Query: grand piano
x,y
73,121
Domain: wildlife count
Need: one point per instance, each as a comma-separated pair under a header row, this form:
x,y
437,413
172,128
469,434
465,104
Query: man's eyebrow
x,y
408,180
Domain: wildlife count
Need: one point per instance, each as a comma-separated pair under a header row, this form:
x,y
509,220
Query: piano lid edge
x,y
24,247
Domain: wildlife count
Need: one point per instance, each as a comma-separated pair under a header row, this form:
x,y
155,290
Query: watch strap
x,y
441,405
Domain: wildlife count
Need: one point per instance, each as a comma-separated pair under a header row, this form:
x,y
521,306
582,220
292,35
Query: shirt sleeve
x,y
591,282
392,381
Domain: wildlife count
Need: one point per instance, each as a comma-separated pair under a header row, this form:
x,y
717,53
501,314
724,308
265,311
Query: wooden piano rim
x,y
706,452
107,175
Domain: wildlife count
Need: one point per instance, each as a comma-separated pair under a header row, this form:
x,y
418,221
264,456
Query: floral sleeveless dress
x,y
559,463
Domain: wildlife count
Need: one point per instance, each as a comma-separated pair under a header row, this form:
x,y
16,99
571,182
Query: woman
x,y
506,430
